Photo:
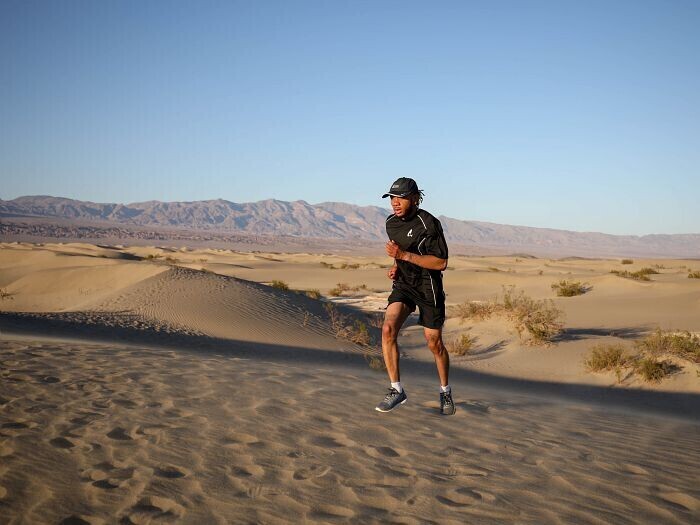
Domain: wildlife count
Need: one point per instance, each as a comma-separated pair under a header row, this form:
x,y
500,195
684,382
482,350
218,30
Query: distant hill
x,y
336,220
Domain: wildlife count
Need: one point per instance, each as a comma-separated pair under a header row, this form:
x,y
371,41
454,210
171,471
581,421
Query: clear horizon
x,y
537,113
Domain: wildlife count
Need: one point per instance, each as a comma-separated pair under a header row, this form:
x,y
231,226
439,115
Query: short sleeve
x,y
435,243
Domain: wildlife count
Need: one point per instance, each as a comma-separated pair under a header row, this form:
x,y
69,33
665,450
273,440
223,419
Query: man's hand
x,y
393,250
392,273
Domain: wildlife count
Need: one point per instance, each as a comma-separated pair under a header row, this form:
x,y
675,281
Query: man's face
x,y
403,206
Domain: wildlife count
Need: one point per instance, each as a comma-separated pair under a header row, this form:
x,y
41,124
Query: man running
x,y
418,246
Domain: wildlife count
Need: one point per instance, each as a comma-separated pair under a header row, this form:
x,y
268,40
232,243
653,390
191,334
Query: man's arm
x,y
429,262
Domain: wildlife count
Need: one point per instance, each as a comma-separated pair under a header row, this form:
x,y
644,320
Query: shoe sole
x,y
392,408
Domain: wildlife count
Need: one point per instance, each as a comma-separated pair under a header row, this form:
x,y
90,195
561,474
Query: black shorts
x,y
430,316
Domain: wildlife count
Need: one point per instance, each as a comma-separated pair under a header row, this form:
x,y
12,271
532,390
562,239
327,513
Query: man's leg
x,y
396,314
394,318
442,359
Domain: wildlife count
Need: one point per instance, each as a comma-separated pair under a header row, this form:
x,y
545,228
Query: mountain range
x,y
339,221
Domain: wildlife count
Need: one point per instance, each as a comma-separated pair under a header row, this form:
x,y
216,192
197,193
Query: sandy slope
x,y
165,287
236,403
109,433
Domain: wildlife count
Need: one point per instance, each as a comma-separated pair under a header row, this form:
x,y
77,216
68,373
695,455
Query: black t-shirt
x,y
421,234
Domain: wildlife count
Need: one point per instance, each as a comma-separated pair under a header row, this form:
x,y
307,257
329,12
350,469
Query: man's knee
x,y
435,344
389,332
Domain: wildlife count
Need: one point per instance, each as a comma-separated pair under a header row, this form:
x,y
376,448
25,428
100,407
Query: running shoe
x,y
392,399
447,406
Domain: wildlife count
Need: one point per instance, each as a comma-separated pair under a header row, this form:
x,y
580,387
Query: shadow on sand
x,y
69,325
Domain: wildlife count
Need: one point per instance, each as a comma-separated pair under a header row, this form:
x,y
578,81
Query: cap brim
x,y
394,195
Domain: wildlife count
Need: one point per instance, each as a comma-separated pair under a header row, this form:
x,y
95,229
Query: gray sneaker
x,y
447,406
392,399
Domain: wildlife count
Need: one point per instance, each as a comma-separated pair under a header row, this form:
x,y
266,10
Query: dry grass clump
x,y
627,261
341,266
460,345
153,257
313,293
652,370
694,275
346,328
4,294
679,344
171,260
279,285
639,275
647,361
540,320
476,310
609,358
566,288
342,288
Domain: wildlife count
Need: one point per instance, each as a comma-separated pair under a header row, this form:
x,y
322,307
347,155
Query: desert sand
x,y
150,385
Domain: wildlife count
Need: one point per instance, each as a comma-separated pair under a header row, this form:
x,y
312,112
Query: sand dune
x,y
215,398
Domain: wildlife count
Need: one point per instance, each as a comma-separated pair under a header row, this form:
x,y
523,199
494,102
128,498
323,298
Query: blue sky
x,y
563,114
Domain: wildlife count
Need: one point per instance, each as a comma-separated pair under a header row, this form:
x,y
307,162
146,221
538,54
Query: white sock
x,y
445,389
397,386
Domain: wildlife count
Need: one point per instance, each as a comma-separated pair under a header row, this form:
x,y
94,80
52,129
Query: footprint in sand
x,y
170,472
464,497
239,438
107,476
120,434
315,471
76,520
384,452
61,442
154,508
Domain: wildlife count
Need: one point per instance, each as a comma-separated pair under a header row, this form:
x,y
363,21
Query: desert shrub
x,y
651,369
627,261
326,265
4,294
647,271
609,358
171,260
375,319
476,310
359,334
694,275
375,362
341,288
203,260
460,345
494,269
640,275
153,256
566,288
539,318
680,344
313,293
659,267
343,328
279,285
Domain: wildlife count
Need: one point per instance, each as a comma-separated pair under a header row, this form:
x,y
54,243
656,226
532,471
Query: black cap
x,y
402,187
